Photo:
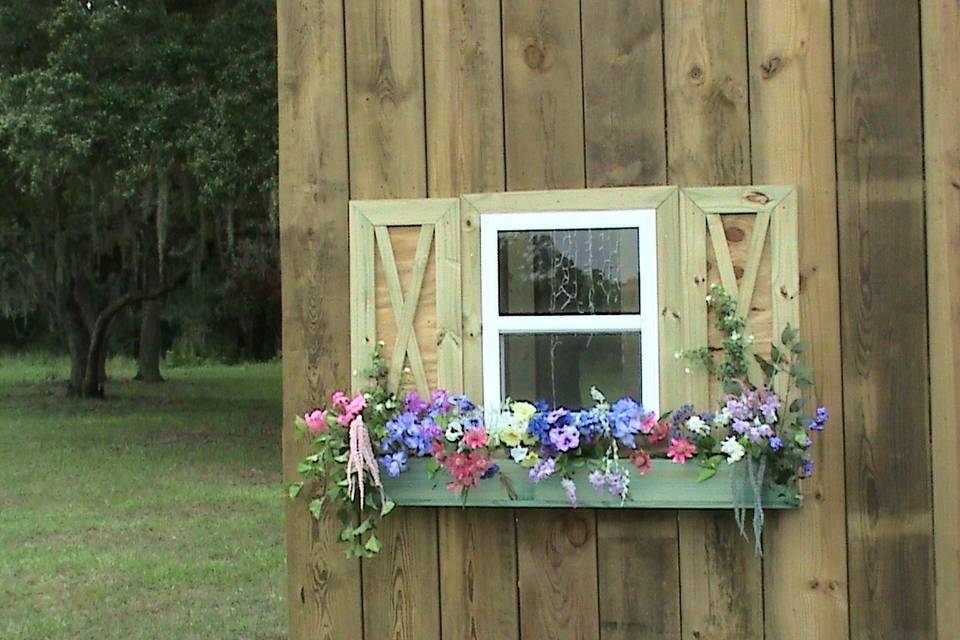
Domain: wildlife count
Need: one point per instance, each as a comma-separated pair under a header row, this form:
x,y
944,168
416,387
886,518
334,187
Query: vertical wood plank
x,y
462,62
449,303
625,138
785,276
883,319
388,159
791,97
709,143
941,105
323,594
543,113
363,293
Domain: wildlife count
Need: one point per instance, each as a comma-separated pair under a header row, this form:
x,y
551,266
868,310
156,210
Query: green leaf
x,y
775,354
387,507
765,365
316,508
294,489
346,533
800,346
706,473
373,545
796,405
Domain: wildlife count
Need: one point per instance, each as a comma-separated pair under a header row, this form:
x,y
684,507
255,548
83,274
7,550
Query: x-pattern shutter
x,y
405,291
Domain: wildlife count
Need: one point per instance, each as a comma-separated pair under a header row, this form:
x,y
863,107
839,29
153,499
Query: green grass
x,y
156,513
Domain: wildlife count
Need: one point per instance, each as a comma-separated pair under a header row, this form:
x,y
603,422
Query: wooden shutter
x,y
405,291
745,239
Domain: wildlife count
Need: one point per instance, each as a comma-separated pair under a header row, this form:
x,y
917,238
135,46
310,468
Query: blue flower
x,y
806,470
462,403
394,463
538,426
776,443
490,472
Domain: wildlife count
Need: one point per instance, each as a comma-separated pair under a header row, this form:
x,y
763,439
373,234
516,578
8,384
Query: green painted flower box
x,y
666,486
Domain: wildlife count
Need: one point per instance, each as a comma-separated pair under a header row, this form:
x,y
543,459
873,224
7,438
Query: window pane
x,y
569,271
561,367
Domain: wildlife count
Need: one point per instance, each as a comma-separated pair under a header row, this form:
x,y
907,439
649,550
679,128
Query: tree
x,y
123,128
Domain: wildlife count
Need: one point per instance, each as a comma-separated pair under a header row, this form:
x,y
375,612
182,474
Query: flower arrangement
x,y
762,435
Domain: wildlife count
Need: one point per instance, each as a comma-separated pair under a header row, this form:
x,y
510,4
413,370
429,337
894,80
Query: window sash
x,y
495,325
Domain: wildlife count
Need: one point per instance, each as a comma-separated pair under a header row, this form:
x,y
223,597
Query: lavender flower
x,y
394,463
570,489
543,470
616,483
776,443
806,470
597,479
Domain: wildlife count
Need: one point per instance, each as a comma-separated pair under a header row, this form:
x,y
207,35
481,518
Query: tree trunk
x,y
148,362
78,341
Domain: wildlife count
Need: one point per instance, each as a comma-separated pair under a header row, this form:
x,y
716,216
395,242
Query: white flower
x,y
735,336
519,453
597,396
695,424
677,355
733,449
454,431
722,418
750,339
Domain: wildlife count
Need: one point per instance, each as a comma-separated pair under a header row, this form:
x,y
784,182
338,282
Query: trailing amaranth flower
x,y
733,450
570,489
618,483
543,469
681,450
597,479
641,460
565,438
316,421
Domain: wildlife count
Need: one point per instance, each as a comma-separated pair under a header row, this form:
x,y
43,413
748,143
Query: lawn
x,y
156,513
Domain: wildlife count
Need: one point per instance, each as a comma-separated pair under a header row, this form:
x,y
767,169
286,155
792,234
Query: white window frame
x,y
495,325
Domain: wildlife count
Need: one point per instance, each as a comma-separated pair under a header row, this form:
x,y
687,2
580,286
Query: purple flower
x,y
806,469
822,414
539,427
548,450
543,469
776,443
806,443
394,463
440,401
588,421
565,438
462,403
570,489
740,426
559,417
765,430
596,478
756,437
413,403
769,412
616,483
737,409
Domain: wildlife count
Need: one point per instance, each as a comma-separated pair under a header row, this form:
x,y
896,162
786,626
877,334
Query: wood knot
x,y
814,584
738,272
468,223
696,73
770,67
534,56
734,234
577,532
818,496
757,198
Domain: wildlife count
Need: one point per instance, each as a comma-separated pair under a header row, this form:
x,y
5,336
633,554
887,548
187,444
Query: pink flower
x,y
641,460
681,450
475,438
316,421
658,432
345,419
356,405
649,424
339,399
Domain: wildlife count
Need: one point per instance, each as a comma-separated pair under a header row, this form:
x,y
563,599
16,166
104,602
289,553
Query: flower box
x,y
666,486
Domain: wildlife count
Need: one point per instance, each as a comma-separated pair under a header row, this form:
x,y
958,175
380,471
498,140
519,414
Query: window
x,y
569,300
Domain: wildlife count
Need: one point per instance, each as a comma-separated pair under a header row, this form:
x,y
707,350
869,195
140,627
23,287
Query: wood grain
x,y
709,143
637,563
388,160
941,106
323,594
883,319
543,114
462,63
791,96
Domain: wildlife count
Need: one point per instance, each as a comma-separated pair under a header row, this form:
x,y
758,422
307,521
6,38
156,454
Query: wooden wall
x,y
858,103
